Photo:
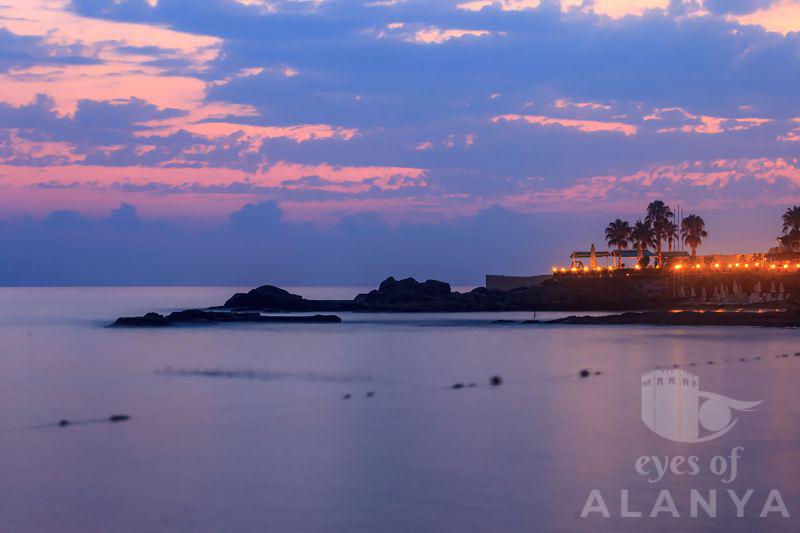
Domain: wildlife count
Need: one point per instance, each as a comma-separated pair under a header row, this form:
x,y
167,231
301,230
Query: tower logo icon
x,y
674,407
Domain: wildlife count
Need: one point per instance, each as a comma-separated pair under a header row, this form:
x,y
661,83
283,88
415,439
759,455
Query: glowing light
x,y
678,267
638,267
772,267
786,266
716,265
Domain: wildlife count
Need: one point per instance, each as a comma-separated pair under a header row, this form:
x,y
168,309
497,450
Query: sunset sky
x,y
347,123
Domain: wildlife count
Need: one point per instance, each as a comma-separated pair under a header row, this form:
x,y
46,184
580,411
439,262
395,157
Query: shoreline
x,y
268,303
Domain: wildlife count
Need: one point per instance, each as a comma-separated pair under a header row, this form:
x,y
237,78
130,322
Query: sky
x,y
341,141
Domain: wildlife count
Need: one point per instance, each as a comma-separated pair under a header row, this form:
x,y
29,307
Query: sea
x,y
357,426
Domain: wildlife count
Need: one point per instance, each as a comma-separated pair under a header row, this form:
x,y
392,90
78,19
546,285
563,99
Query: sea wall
x,y
737,288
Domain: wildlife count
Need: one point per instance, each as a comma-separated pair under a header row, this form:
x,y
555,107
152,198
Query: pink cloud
x,y
588,126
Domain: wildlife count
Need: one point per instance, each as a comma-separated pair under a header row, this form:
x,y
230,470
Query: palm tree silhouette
x,y
671,234
658,215
693,231
618,234
791,227
642,236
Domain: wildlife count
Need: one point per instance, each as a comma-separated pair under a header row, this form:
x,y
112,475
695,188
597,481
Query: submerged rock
x,y
197,316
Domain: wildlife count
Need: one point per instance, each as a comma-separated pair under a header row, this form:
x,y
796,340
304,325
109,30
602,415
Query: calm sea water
x,y
275,447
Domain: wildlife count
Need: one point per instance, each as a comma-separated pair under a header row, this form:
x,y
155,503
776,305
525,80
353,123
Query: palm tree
x,y
791,227
791,219
693,231
671,234
658,215
618,234
642,236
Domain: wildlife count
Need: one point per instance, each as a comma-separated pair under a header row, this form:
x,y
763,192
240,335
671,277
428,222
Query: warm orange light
x,y
555,269
747,265
785,266
772,266
638,267
563,269
716,265
573,269
737,265
678,267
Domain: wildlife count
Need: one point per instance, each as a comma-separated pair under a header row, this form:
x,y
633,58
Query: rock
x,y
198,316
118,418
266,297
150,320
584,373
457,386
495,381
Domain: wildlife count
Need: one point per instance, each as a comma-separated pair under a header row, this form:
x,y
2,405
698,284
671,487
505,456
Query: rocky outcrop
x,y
411,296
197,316
266,298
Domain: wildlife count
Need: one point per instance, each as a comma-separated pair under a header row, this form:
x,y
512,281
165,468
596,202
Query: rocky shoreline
x,y
647,295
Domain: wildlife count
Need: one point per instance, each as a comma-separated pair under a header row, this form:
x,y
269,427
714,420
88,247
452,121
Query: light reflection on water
x,y
287,453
